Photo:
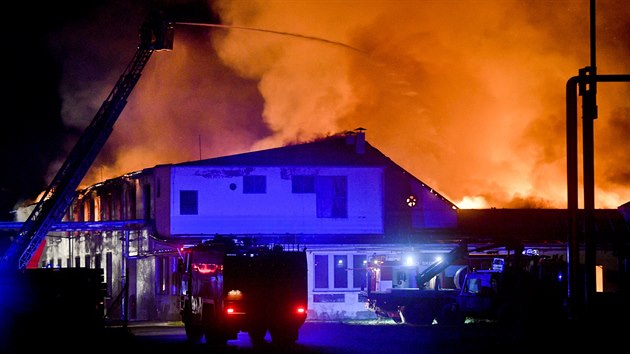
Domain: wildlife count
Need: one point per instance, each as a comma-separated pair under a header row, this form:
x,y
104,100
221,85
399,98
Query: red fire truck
x,y
228,287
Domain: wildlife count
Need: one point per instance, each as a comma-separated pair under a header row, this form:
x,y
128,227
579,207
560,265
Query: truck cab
x,y
478,293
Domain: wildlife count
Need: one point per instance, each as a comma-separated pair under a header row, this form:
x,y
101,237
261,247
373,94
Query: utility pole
x,y
581,301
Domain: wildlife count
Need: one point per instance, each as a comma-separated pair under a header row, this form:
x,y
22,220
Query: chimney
x,y
359,145
350,137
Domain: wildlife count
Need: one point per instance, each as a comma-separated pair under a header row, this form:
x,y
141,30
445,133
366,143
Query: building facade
x,y
338,197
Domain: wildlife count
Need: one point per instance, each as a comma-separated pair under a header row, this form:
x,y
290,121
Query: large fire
x,y
468,96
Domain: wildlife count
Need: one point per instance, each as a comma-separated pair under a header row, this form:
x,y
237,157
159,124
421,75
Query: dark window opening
x,y
332,196
147,201
254,184
188,203
321,271
108,272
303,184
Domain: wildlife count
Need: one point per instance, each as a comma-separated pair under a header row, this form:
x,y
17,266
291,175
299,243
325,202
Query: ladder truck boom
x,y
155,34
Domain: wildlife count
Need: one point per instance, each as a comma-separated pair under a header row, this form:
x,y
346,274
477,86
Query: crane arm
x,y
155,34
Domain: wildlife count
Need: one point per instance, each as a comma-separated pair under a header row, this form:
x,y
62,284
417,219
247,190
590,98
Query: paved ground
x,y
365,337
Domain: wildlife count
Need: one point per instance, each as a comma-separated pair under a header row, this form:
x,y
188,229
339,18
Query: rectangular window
x,y
341,273
162,270
188,203
146,196
303,184
321,271
332,196
254,184
176,279
58,262
97,261
88,261
77,262
359,268
108,272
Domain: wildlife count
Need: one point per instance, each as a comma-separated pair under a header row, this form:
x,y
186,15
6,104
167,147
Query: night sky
x,y
46,44
469,98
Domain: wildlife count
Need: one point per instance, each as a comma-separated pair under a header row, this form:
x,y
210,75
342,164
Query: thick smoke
x,y
468,96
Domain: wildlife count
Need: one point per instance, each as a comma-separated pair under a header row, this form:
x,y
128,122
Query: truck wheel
x,y
417,314
512,314
213,334
193,332
450,315
257,335
192,324
283,336
215,337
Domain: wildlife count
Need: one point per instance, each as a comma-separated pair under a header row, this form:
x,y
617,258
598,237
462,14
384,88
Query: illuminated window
x,y
341,273
359,271
411,201
188,203
162,274
254,184
599,278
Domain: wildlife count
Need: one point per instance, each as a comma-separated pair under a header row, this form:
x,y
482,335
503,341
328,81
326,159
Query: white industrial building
x,y
339,197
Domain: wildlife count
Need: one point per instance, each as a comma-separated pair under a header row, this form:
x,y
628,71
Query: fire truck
x,y
512,288
228,287
74,297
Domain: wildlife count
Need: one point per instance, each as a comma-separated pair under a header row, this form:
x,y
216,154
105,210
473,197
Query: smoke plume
x,y
468,96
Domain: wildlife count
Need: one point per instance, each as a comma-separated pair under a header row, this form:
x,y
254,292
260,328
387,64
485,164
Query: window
x,y
359,268
97,261
146,195
188,203
162,270
77,262
92,210
303,184
108,272
332,196
254,184
341,274
88,261
344,275
321,271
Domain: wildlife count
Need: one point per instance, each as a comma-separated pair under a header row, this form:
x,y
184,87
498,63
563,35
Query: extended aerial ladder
x,y
156,33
